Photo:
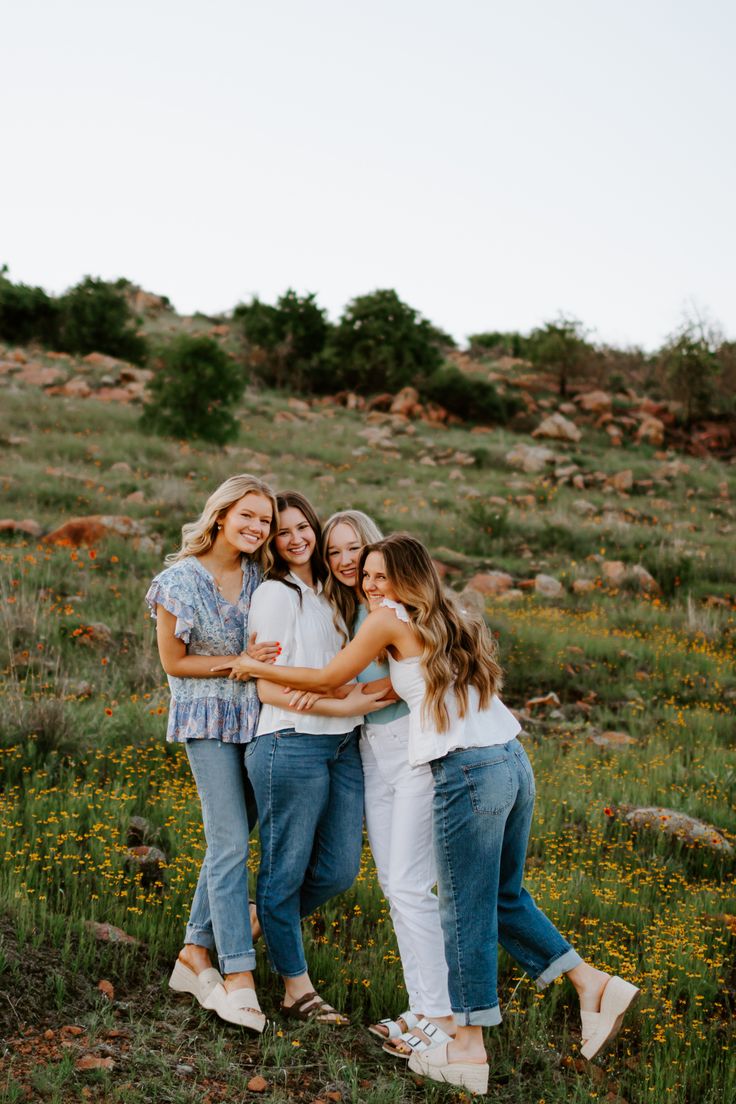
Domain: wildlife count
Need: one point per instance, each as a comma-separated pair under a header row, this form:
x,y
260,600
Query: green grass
x,y
82,722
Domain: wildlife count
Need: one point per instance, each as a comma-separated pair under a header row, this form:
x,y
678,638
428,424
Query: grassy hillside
x,y
82,751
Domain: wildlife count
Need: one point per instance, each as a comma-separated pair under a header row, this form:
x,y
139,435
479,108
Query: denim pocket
x,y
491,786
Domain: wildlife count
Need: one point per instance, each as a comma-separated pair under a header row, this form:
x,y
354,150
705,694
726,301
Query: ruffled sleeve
x,y
170,590
398,609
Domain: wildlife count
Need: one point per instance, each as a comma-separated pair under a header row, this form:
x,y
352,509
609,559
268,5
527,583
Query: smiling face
x,y
295,538
343,553
376,585
247,523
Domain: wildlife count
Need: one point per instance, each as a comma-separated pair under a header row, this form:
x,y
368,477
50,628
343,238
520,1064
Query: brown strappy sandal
x,y
312,1007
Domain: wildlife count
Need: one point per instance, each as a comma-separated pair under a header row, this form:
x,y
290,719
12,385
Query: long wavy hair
x,y
279,569
458,651
344,599
197,537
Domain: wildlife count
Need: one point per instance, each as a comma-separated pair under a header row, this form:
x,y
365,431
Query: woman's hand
x,y
303,700
267,652
359,701
241,668
389,695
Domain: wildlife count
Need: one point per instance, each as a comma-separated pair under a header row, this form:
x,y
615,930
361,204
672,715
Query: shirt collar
x,y
317,589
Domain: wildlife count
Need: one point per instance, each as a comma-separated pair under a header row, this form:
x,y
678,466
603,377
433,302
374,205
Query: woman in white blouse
x,y
305,768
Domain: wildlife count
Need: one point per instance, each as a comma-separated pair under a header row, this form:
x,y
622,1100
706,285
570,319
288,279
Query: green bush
x,y
284,343
473,399
27,313
560,347
382,344
96,318
193,391
498,343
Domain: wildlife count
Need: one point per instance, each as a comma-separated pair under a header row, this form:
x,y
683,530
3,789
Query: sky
x,y
497,163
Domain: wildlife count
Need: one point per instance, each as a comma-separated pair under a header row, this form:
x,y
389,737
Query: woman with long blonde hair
x,y
443,664
200,603
398,813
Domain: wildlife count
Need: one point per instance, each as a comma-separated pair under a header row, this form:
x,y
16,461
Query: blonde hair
x,y
344,599
457,649
197,537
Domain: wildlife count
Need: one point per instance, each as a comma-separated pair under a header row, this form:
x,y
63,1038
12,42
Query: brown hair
x,y
457,649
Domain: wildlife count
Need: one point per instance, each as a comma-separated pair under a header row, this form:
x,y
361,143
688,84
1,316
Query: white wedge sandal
x,y
601,1028
433,1063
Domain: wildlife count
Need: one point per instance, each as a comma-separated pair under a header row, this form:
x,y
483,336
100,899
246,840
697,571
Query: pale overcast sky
x,y
496,163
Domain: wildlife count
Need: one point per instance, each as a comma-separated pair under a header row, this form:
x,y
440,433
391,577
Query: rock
x,y
614,432
130,374
594,402
678,825
150,861
28,526
92,1062
548,587
103,362
621,481
614,572
257,1084
530,458
113,394
38,375
611,739
542,702
184,1070
670,469
139,830
122,466
405,401
106,988
646,581
472,601
511,595
380,402
558,428
491,582
92,529
108,933
651,431
75,388
584,508
135,496
582,586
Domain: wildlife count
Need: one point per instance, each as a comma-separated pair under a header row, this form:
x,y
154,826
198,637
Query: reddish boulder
x,y
405,401
28,526
91,530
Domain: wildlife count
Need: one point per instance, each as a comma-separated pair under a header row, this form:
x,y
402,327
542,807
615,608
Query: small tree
x,y
284,343
27,313
96,317
383,344
193,391
560,347
689,368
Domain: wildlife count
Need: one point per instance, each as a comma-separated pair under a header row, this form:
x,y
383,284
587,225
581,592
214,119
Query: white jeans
x,y
398,813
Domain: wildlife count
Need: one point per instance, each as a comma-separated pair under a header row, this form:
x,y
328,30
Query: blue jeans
x,y
219,915
483,805
309,791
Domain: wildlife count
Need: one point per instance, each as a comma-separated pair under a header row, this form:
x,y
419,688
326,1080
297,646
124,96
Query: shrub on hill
x,y
27,313
474,400
193,391
498,343
284,344
95,316
382,344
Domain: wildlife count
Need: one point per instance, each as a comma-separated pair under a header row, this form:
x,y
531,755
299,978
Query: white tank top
x,y
478,728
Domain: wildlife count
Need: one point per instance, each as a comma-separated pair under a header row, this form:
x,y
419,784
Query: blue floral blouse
x,y
208,708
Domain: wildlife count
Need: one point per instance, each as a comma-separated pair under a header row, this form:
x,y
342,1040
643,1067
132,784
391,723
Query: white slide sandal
x,y
184,980
237,1006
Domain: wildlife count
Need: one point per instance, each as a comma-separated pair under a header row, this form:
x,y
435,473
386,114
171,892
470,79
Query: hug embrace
x,y
320,673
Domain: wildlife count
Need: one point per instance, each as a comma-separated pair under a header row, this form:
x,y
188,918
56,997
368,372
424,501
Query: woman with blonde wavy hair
x,y
442,662
200,603
398,812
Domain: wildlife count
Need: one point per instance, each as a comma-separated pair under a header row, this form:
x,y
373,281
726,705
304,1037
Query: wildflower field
x,y
82,722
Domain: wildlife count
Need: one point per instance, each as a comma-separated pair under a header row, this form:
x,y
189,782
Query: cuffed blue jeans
x,y
483,805
219,916
309,790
